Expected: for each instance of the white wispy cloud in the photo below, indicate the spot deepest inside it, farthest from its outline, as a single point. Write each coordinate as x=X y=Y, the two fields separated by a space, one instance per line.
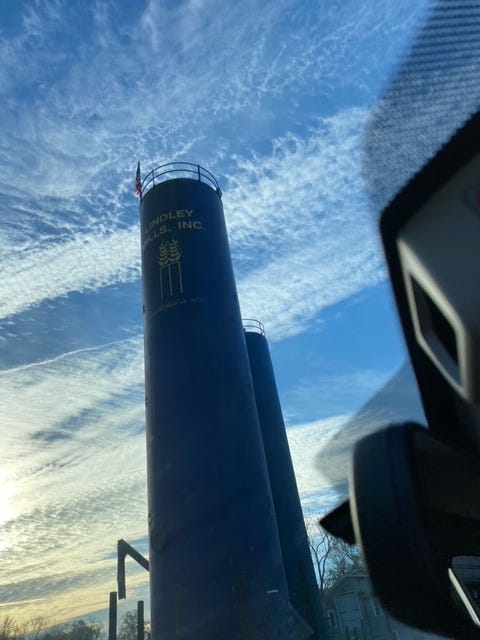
x=299 y=229
x=88 y=261
x=305 y=442
x=146 y=91
x=145 y=95
x=75 y=464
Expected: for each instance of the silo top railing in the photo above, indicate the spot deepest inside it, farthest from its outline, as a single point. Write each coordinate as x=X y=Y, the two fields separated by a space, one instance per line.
x=253 y=326
x=173 y=170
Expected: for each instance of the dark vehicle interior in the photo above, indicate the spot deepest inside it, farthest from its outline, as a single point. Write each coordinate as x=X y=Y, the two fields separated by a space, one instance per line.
x=414 y=487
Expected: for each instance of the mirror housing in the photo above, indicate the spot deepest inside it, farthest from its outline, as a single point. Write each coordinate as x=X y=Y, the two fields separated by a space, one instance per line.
x=431 y=238
x=415 y=509
x=414 y=491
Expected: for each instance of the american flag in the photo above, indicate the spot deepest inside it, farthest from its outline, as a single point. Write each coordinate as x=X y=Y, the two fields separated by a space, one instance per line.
x=138 y=181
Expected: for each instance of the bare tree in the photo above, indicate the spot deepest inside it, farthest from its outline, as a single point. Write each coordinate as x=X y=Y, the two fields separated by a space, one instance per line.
x=322 y=547
x=332 y=557
x=345 y=559
x=35 y=627
x=77 y=630
x=9 y=629
x=81 y=630
x=128 y=626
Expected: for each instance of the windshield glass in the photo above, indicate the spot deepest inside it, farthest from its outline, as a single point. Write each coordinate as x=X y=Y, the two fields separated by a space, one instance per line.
x=295 y=110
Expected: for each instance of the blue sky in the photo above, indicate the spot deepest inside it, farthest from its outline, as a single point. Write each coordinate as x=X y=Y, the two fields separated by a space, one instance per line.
x=274 y=101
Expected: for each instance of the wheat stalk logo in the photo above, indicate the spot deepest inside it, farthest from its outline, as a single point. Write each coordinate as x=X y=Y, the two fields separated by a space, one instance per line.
x=169 y=256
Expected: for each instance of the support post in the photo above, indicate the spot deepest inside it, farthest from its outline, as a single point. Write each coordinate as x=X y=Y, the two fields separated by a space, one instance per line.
x=140 y=621
x=124 y=549
x=112 y=616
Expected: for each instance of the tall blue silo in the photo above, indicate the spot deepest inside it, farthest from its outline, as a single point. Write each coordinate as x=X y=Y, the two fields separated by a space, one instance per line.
x=302 y=584
x=216 y=570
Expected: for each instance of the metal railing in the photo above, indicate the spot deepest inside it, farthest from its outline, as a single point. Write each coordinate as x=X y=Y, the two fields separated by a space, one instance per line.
x=253 y=326
x=173 y=170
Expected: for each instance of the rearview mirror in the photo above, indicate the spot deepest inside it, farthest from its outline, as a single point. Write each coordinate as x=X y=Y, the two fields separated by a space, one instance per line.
x=415 y=507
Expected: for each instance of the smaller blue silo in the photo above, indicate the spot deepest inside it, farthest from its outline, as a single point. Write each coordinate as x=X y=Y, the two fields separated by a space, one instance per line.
x=301 y=581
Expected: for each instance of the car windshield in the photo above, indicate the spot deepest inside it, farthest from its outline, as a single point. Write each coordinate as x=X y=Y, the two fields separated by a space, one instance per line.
x=310 y=116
